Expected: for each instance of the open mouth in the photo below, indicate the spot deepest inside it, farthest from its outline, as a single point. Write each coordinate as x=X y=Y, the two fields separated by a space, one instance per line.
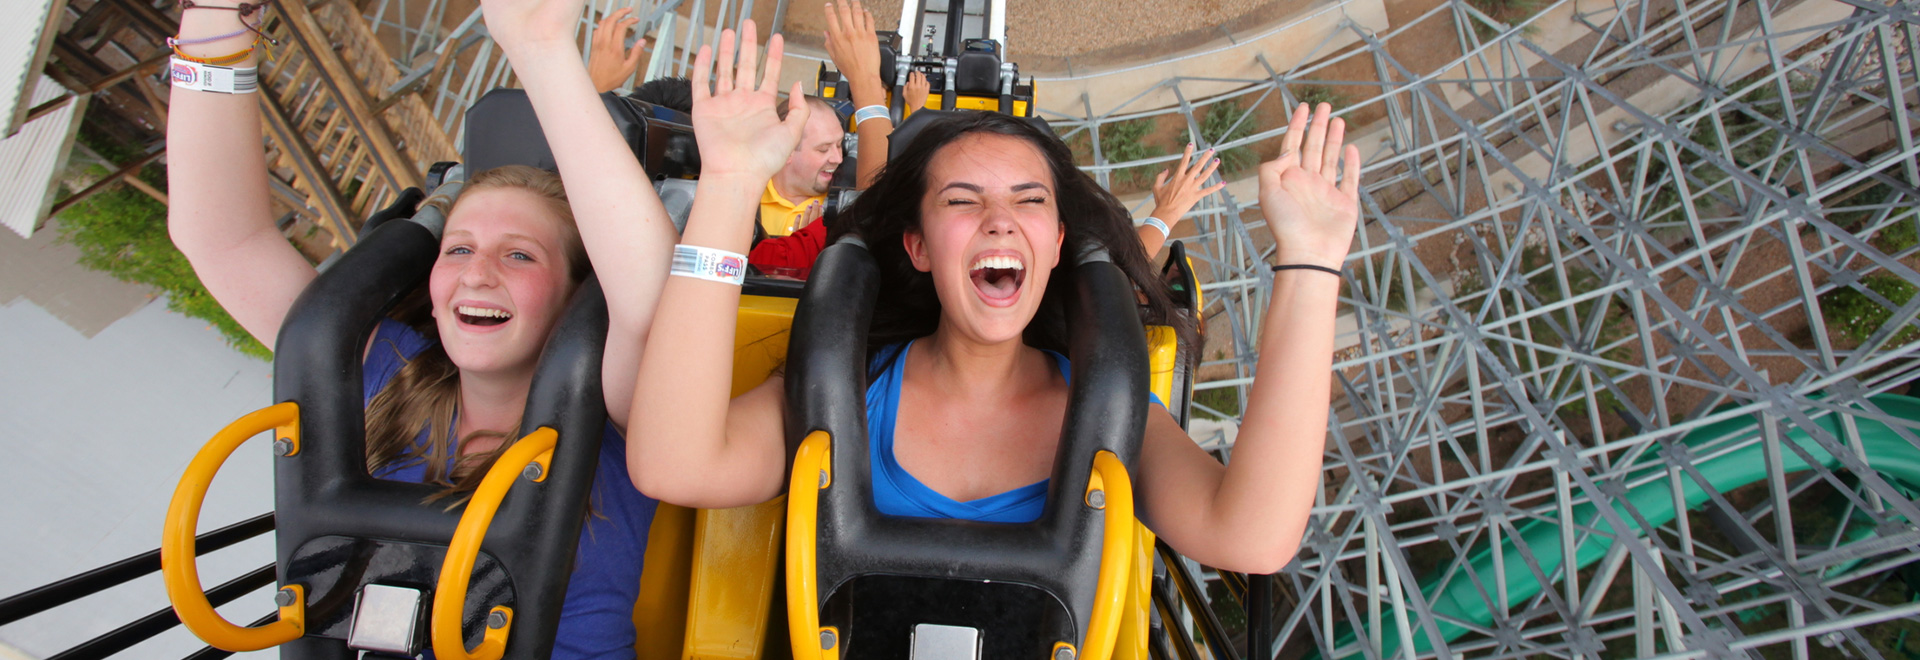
x=998 y=278
x=482 y=316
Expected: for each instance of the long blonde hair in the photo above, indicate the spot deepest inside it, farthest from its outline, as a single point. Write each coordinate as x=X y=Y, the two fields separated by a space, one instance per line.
x=425 y=393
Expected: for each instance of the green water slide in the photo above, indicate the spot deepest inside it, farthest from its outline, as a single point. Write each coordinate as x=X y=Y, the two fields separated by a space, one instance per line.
x=1460 y=599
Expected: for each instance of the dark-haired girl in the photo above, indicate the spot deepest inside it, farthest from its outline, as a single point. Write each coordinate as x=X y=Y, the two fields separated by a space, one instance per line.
x=971 y=226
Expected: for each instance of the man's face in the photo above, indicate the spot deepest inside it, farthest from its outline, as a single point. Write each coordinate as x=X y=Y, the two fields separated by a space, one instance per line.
x=813 y=162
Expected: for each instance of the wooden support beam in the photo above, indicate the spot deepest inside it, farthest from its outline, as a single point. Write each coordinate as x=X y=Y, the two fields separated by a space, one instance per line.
x=334 y=214
x=17 y=116
x=306 y=34
x=102 y=184
x=157 y=24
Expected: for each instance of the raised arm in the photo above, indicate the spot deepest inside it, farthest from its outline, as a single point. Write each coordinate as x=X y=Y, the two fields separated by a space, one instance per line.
x=1250 y=516
x=855 y=50
x=1175 y=192
x=219 y=214
x=628 y=235
x=696 y=448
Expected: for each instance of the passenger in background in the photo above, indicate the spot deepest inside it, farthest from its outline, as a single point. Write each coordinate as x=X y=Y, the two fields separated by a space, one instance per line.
x=1175 y=192
x=808 y=172
x=610 y=63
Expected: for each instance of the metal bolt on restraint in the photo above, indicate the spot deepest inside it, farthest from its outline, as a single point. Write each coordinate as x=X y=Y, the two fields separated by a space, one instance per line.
x=1064 y=652
x=823 y=478
x=282 y=447
x=1096 y=499
x=283 y=597
x=496 y=620
x=532 y=472
x=828 y=640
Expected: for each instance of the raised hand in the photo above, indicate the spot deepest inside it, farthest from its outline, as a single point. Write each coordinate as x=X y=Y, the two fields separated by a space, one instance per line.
x=852 y=43
x=917 y=88
x=1312 y=216
x=734 y=119
x=1178 y=188
x=609 y=62
x=521 y=25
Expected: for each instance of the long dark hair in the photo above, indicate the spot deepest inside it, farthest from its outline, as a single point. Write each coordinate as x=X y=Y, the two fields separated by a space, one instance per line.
x=908 y=307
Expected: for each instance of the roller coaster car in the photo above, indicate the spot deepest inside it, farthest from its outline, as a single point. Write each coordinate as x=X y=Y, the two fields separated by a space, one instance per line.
x=368 y=565
x=977 y=78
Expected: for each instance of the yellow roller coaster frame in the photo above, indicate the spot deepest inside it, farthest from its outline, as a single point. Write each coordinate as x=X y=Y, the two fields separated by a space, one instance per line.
x=178 y=564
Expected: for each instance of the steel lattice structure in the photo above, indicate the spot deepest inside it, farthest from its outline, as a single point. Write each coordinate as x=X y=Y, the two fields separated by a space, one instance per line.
x=1605 y=314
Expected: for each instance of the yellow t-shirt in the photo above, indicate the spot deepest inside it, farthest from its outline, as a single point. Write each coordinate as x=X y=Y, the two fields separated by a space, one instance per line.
x=778 y=216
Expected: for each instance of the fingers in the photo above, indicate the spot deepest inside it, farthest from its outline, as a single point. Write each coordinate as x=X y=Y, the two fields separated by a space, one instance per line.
x=1296 y=131
x=1160 y=181
x=864 y=17
x=834 y=24
x=1336 y=133
x=1311 y=154
x=776 y=51
x=1208 y=166
x=723 y=65
x=1350 y=179
x=797 y=110
x=1186 y=161
x=749 y=55
x=702 y=61
x=639 y=48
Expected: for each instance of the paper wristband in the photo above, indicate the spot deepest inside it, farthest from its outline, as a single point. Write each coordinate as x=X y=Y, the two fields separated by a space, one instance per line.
x=214 y=78
x=1159 y=224
x=871 y=112
x=709 y=264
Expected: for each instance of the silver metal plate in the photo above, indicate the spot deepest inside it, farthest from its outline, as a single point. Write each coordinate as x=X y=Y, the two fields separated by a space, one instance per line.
x=384 y=619
x=937 y=642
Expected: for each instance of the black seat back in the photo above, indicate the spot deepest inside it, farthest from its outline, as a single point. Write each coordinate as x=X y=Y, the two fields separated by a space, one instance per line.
x=977 y=72
x=337 y=527
x=1026 y=586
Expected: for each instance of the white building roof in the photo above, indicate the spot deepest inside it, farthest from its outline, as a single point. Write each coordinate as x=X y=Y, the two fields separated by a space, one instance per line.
x=32 y=158
x=24 y=41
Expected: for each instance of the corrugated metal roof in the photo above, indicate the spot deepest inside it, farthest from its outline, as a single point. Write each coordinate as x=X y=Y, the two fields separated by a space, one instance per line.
x=31 y=159
x=24 y=40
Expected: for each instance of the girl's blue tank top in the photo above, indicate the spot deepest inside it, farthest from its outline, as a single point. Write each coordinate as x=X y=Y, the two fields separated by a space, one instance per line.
x=897 y=493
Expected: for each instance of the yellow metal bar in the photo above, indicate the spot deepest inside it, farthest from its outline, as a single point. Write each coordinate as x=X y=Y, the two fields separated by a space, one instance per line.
x=1163 y=353
x=177 y=557
x=812 y=473
x=1110 y=595
x=455 y=572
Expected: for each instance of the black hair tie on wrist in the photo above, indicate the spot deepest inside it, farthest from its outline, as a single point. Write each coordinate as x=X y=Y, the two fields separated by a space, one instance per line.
x=1331 y=271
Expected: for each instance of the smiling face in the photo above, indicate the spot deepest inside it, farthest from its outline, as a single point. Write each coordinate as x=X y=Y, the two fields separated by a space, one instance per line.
x=989 y=234
x=809 y=171
x=502 y=279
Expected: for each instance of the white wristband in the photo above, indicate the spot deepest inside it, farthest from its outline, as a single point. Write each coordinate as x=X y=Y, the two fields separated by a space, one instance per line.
x=871 y=112
x=1159 y=224
x=709 y=264
x=214 y=78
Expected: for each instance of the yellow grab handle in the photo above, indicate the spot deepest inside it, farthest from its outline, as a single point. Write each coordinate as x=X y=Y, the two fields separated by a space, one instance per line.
x=457 y=570
x=177 y=557
x=1110 y=595
x=812 y=465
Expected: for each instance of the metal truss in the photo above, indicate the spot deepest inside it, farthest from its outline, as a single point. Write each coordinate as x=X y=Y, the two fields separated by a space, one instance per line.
x=1604 y=386
x=1597 y=286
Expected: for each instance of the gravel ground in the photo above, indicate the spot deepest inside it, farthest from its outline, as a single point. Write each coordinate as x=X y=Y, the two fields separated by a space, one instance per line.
x=1048 y=35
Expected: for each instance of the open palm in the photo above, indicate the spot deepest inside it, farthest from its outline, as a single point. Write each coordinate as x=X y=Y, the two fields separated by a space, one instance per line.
x=1311 y=205
x=735 y=120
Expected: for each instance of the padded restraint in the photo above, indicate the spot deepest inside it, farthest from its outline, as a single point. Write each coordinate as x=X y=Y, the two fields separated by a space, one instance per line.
x=1024 y=586
x=977 y=72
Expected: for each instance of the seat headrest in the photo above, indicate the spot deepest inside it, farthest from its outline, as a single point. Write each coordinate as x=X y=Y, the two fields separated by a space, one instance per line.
x=502 y=130
x=910 y=129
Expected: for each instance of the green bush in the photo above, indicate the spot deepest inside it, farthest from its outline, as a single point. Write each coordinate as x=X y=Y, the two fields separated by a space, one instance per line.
x=1223 y=399
x=1125 y=141
x=123 y=233
x=1853 y=315
x=1314 y=95
x=1225 y=122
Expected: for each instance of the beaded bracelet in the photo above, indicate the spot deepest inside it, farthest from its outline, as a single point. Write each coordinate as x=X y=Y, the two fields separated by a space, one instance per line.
x=244 y=9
